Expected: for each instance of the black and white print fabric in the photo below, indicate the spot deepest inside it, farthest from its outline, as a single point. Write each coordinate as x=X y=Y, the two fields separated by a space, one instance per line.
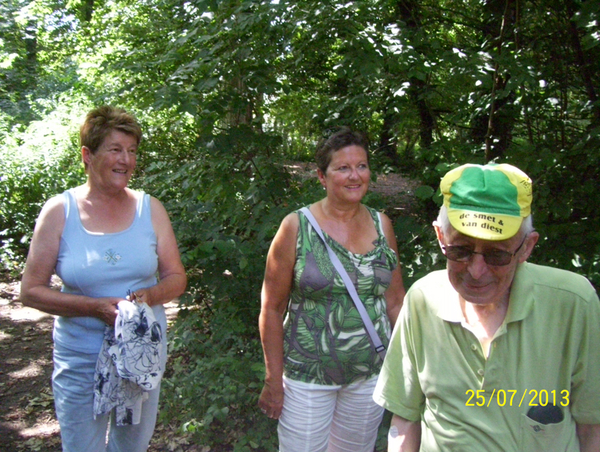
x=129 y=363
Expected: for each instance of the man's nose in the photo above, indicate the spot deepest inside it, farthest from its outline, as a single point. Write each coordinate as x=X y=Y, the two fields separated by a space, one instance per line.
x=477 y=266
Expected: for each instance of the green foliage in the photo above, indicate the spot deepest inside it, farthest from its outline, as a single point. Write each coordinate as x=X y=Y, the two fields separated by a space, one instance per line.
x=38 y=162
x=214 y=384
x=227 y=198
x=565 y=205
x=228 y=91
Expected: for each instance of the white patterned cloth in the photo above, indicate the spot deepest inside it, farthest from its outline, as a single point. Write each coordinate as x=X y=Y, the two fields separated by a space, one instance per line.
x=129 y=363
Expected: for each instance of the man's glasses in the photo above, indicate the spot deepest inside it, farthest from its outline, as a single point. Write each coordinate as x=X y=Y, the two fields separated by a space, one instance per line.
x=497 y=258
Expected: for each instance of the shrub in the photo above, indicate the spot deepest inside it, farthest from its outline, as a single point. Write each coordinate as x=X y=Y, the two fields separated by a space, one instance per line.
x=39 y=161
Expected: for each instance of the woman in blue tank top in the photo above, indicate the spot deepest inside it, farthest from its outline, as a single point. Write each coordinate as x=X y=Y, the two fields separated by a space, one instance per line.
x=103 y=240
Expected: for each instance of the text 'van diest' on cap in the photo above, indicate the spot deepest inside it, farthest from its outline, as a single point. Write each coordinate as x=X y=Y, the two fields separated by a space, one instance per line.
x=487 y=201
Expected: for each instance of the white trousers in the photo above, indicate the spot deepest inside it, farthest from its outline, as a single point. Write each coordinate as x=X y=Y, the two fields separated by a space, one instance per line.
x=320 y=418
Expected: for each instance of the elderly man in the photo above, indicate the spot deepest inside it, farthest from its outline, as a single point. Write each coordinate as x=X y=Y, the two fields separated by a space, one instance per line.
x=494 y=353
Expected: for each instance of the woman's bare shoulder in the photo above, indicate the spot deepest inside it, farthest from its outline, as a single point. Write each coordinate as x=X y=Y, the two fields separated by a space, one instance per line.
x=53 y=210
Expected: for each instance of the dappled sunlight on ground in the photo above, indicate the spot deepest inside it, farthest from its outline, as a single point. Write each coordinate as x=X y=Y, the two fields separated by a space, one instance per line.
x=32 y=370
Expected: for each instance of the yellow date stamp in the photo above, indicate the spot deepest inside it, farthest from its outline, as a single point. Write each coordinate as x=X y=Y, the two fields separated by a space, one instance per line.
x=510 y=397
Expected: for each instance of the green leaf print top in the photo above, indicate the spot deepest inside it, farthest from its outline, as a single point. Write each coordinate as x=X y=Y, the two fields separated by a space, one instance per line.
x=325 y=341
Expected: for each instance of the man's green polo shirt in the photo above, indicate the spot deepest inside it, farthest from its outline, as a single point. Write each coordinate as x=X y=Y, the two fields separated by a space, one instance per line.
x=545 y=352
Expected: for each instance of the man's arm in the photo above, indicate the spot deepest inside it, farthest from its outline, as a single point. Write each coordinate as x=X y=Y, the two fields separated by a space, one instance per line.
x=589 y=437
x=404 y=435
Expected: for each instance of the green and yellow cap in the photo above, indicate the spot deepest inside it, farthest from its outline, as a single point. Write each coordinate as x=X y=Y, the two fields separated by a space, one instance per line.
x=487 y=201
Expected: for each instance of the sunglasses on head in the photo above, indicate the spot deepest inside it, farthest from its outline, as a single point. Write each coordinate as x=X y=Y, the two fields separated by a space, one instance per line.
x=495 y=257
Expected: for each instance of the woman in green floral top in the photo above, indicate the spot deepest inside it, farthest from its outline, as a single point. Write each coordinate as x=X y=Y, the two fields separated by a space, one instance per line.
x=321 y=368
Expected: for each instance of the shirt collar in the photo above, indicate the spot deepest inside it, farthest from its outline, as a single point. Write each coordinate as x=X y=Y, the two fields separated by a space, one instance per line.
x=520 y=302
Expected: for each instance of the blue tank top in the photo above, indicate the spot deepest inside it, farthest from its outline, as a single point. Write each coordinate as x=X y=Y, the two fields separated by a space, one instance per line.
x=98 y=264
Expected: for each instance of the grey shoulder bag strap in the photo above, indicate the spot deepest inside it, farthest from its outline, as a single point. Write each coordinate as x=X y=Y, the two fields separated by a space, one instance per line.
x=375 y=340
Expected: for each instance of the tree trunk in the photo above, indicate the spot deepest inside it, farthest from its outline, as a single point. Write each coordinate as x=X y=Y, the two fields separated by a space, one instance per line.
x=408 y=13
x=387 y=142
x=499 y=121
x=31 y=55
x=584 y=63
x=87 y=10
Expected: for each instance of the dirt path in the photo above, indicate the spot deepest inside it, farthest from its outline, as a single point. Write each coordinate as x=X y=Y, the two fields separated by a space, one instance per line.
x=26 y=405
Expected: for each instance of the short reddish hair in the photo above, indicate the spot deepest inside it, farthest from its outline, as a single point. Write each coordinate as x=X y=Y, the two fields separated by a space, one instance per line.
x=101 y=121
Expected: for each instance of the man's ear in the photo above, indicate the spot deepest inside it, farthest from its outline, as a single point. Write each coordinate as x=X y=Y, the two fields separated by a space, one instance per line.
x=528 y=246
x=439 y=233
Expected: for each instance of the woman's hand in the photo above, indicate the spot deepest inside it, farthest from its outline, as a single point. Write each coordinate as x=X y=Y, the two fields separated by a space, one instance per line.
x=107 y=309
x=271 y=400
x=140 y=296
